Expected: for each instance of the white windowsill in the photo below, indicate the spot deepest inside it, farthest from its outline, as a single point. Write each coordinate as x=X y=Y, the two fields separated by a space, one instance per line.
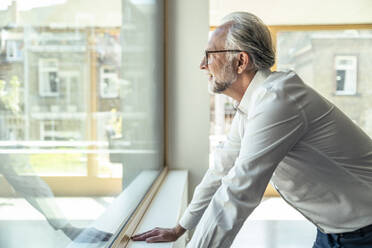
x=345 y=93
x=166 y=209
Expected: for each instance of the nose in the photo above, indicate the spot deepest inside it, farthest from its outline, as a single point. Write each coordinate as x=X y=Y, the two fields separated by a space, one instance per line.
x=203 y=64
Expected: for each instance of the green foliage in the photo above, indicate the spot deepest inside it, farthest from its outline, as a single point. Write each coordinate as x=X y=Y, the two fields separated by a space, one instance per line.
x=10 y=94
x=58 y=164
x=63 y=164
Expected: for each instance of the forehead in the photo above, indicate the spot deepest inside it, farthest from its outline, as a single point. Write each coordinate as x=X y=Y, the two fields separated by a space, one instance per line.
x=217 y=38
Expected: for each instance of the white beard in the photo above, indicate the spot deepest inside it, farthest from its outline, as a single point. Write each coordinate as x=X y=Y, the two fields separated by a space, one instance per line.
x=227 y=81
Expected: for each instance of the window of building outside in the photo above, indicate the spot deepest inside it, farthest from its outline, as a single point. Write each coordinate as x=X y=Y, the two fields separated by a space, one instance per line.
x=81 y=118
x=336 y=63
x=14 y=50
x=48 y=78
x=346 y=75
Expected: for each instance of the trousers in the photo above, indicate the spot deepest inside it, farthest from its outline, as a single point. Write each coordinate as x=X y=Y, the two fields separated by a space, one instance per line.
x=361 y=238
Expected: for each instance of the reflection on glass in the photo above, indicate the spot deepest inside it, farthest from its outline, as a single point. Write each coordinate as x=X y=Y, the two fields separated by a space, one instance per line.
x=81 y=118
x=222 y=111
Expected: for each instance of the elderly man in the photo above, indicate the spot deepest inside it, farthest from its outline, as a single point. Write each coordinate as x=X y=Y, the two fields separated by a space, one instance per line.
x=319 y=160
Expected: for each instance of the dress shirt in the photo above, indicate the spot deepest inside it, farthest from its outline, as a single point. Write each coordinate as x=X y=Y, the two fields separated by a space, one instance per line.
x=317 y=158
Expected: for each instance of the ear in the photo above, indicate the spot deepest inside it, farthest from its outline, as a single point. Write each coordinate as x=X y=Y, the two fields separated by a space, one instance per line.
x=243 y=62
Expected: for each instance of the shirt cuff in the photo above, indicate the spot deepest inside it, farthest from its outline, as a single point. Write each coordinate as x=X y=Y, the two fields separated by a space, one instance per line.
x=189 y=221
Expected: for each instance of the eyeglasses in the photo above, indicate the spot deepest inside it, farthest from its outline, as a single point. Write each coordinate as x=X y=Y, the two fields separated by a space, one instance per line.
x=219 y=51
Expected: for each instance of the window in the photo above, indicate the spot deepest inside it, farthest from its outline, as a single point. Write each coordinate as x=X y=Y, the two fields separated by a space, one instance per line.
x=109 y=82
x=55 y=130
x=81 y=119
x=48 y=77
x=346 y=75
x=14 y=50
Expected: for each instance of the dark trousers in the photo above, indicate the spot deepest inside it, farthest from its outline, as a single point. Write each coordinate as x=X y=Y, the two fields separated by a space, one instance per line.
x=361 y=238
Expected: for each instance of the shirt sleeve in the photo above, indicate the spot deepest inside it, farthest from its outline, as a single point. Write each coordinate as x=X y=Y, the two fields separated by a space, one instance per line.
x=224 y=158
x=270 y=133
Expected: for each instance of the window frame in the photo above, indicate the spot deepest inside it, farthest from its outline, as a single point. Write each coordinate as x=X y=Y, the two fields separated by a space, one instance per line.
x=351 y=74
x=13 y=47
x=43 y=85
x=113 y=78
x=128 y=228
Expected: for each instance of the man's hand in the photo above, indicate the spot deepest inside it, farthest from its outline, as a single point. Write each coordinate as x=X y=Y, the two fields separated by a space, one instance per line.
x=160 y=235
x=85 y=235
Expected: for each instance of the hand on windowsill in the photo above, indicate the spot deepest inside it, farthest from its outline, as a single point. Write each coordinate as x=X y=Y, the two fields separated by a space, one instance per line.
x=160 y=235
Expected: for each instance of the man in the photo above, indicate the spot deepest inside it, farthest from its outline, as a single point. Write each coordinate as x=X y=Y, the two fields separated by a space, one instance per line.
x=318 y=159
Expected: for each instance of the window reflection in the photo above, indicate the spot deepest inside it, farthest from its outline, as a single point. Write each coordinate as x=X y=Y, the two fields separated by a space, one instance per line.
x=81 y=118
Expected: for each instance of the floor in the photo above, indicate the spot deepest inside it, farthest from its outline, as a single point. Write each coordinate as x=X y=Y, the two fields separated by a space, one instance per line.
x=274 y=224
x=21 y=225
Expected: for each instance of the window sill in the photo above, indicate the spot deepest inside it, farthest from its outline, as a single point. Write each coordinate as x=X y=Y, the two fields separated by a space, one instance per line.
x=346 y=94
x=122 y=208
x=165 y=209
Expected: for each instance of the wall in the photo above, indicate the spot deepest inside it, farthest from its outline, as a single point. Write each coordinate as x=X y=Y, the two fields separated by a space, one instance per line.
x=187 y=125
x=291 y=12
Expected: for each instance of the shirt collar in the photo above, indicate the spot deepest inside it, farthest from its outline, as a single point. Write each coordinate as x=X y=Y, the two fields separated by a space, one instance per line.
x=258 y=78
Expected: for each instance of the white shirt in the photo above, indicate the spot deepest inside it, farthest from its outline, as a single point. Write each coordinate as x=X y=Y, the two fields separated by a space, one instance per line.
x=316 y=157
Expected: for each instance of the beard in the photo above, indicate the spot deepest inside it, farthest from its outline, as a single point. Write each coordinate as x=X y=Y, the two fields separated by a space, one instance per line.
x=228 y=77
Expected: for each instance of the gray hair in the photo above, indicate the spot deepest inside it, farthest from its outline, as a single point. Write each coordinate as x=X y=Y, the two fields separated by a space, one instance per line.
x=248 y=33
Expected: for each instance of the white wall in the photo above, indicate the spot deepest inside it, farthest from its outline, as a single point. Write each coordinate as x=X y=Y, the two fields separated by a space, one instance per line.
x=188 y=97
x=291 y=12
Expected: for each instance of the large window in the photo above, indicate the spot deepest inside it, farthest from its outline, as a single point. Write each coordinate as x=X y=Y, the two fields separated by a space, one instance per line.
x=81 y=118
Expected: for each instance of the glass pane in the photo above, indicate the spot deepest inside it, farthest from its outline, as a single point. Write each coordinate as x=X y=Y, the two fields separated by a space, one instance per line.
x=222 y=111
x=336 y=64
x=340 y=78
x=81 y=118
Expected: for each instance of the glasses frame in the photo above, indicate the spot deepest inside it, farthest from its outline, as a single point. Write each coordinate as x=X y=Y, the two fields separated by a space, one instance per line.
x=220 y=51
